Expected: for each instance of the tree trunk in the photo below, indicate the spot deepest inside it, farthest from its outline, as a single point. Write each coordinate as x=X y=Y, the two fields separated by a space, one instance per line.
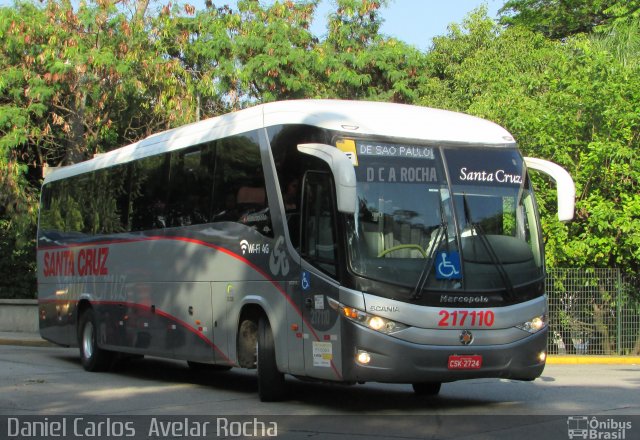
x=141 y=9
x=602 y=329
x=636 y=347
x=77 y=143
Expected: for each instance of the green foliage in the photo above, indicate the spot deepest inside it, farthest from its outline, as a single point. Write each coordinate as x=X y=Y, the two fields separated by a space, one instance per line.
x=575 y=103
x=622 y=40
x=75 y=81
x=18 y=262
x=560 y=19
x=273 y=49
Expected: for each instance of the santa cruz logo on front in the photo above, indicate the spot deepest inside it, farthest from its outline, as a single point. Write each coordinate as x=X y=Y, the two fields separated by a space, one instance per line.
x=499 y=176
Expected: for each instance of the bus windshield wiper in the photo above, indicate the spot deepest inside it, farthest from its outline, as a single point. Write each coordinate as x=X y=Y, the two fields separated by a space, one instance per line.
x=495 y=260
x=441 y=233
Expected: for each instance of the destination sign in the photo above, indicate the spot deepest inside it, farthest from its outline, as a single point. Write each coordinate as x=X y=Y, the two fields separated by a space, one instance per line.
x=400 y=174
x=381 y=162
x=397 y=173
x=379 y=149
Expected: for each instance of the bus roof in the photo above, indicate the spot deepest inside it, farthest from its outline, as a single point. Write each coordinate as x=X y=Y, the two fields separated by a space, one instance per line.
x=361 y=118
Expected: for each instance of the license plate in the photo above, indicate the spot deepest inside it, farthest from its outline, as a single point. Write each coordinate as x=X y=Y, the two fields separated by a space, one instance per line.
x=471 y=362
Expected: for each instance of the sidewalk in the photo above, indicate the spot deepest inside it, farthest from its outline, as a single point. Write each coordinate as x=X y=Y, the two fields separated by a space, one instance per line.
x=584 y=359
x=34 y=340
x=23 y=339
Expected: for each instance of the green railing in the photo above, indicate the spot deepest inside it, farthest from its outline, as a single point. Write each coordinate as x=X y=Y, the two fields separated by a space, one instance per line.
x=594 y=312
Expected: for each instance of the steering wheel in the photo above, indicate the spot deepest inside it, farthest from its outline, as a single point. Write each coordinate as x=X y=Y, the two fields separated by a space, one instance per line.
x=403 y=246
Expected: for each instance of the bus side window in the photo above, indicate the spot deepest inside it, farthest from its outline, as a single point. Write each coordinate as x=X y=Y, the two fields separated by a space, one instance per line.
x=107 y=211
x=291 y=165
x=190 y=186
x=318 y=222
x=291 y=198
x=239 y=184
x=50 y=221
x=149 y=189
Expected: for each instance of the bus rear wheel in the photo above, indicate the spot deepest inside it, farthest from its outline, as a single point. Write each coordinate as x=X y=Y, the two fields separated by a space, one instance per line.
x=93 y=358
x=271 y=384
x=427 y=388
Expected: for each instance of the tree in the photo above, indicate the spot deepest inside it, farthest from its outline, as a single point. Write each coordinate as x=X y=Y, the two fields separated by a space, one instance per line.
x=570 y=102
x=273 y=50
x=558 y=19
x=575 y=102
x=621 y=40
x=74 y=83
x=446 y=60
x=357 y=62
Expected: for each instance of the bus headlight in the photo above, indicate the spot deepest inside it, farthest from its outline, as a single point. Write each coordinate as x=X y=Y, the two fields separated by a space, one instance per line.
x=534 y=325
x=374 y=322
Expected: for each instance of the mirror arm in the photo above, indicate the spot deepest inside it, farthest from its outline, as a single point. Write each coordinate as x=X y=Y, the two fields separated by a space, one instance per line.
x=565 y=187
x=343 y=172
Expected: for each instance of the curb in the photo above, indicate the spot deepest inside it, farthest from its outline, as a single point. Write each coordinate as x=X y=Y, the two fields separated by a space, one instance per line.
x=26 y=342
x=593 y=360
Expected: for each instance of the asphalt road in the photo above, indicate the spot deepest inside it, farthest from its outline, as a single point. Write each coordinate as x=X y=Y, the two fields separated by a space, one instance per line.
x=49 y=381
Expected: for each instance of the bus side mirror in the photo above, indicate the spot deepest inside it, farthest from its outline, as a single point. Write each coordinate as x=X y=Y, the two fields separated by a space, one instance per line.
x=565 y=186
x=343 y=173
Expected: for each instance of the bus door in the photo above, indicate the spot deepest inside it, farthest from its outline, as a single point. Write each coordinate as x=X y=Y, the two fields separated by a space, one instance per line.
x=319 y=269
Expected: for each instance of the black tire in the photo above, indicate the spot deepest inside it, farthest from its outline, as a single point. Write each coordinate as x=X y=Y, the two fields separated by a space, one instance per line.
x=271 y=384
x=199 y=366
x=93 y=357
x=427 y=388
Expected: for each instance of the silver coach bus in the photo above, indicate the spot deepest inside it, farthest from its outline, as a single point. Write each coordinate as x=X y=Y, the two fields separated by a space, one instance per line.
x=334 y=240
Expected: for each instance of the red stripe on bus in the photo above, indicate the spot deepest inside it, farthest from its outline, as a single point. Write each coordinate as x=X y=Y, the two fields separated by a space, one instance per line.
x=248 y=263
x=171 y=318
x=212 y=246
x=257 y=269
x=157 y=312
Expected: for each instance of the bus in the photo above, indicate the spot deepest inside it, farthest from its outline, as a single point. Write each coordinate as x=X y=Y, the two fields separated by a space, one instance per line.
x=339 y=241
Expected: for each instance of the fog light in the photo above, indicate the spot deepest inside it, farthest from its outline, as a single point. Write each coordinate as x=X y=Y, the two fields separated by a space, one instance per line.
x=542 y=356
x=363 y=357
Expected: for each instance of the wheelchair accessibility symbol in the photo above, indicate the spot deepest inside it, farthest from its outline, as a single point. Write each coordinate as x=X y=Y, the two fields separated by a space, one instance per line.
x=306 y=280
x=448 y=266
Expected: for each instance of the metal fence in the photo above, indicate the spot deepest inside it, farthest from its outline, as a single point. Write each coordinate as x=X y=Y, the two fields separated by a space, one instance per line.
x=593 y=311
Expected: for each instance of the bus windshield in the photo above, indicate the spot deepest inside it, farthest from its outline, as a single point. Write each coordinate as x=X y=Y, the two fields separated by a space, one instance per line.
x=435 y=219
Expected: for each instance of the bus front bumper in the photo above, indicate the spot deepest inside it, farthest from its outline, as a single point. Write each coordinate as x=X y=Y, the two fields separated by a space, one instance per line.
x=396 y=361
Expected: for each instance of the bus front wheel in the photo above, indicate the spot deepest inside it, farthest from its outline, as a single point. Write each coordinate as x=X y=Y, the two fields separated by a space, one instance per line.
x=271 y=384
x=93 y=358
x=427 y=388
